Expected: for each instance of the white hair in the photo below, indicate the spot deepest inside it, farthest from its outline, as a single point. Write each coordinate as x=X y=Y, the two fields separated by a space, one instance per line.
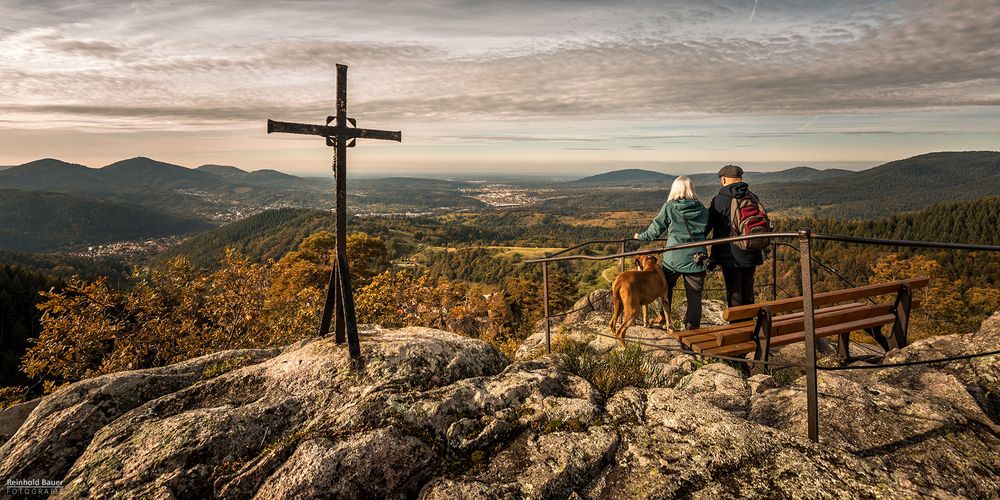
x=682 y=189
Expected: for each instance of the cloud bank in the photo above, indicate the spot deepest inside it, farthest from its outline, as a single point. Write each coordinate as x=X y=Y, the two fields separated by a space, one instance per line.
x=180 y=65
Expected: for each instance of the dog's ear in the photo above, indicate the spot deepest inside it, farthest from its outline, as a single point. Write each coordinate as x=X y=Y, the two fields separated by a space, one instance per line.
x=638 y=262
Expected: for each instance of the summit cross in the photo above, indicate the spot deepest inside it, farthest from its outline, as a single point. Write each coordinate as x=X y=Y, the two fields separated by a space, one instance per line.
x=341 y=133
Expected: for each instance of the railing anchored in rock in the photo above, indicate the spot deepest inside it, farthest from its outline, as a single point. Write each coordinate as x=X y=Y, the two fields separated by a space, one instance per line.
x=814 y=321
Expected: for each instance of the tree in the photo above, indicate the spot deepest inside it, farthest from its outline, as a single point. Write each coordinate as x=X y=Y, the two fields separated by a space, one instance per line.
x=947 y=307
x=395 y=299
x=171 y=314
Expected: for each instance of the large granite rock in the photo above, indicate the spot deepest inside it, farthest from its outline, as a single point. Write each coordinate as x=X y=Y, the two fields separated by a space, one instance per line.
x=589 y=324
x=720 y=385
x=62 y=424
x=435 y=415
x=931 y=425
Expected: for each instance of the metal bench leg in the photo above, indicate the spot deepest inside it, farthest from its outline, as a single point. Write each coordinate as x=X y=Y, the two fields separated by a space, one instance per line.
x=901 y=309
x=761 y=352
x=844 y=347
x=876 y=334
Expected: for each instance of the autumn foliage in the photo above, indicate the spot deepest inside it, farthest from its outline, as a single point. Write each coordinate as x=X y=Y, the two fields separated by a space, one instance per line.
x=174 y=312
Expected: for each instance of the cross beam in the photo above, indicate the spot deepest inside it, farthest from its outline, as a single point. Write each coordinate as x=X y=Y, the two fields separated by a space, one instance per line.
x=339 y=295
x=331 y=132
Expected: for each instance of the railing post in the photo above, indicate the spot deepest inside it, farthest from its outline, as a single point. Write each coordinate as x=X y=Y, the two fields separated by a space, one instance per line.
x=545 y=307
x=622 y=263
x=808 y=319
x=774 y=270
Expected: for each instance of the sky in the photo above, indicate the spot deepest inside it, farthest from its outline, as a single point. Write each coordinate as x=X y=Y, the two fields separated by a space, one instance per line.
x=520 y=87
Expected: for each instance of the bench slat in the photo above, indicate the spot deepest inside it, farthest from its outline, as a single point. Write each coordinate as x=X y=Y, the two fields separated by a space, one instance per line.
x=824 y=317
x=824 y=298
x=705 y=337
x=709 y=337
x=781 y=324
x=748 y=325
x=791 y=338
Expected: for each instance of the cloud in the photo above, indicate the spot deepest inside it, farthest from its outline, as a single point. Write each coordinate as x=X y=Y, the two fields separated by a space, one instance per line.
x=172 y=62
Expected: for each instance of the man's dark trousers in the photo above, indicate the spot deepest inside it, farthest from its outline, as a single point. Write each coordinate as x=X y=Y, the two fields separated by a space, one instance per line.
x=739 y=285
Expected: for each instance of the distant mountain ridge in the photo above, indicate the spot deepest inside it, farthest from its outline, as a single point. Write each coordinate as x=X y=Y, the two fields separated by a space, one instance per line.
x=642 y=177
x=796 y=174
x=45 y=222
x=211 y=192
x=259 y=177
x=50 y=174
x=142 y=171
x=171 y=196
x=626 y=177
x=898 y=186
x=58 y=175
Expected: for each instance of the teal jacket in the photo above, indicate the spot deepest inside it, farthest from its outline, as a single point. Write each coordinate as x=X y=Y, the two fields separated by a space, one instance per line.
x=671 y=219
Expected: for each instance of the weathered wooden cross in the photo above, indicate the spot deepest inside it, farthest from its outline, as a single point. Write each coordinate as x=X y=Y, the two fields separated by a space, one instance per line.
x=341 y=135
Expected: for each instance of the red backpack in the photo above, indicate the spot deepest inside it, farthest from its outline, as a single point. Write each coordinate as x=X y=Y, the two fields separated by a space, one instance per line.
x=747 y=217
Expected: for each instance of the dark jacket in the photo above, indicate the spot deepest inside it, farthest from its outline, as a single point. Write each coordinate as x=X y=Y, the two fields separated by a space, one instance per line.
x=677 y=218
x=719 y=225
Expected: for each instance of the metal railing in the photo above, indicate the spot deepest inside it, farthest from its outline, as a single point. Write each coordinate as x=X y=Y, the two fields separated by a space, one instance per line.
x=805 y=238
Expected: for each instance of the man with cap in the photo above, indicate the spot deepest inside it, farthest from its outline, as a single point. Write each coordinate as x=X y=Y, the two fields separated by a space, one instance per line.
x=738 y=266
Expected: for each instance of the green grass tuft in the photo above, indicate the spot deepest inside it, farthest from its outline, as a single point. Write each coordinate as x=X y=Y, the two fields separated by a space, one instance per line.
x=612 y=371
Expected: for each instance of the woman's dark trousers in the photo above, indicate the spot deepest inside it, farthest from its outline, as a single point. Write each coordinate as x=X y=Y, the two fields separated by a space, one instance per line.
x=694 y=283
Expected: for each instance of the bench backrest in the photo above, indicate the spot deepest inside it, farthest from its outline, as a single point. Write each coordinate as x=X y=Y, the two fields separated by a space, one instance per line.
x=781 y=306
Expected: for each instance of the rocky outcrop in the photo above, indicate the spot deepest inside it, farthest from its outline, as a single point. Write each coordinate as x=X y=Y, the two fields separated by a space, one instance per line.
x=62 y=425
x=11 y=418
x=720 y=385
x=431 y=414
x=931 y=425
x=588 y=324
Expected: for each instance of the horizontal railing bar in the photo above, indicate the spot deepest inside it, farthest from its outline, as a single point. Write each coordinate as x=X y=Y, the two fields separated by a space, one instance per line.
x=660 y=347
x=678 y=287
x=909 y=363
x=648 y=251
x=816 y=236
x=907 y=243
x=598 y=242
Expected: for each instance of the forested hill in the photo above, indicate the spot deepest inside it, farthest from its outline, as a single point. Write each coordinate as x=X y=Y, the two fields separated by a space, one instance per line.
x=55 y=175
x=905 y=185
x=39 y=222
x=958 y=222
x=973 y=221
x=647 y=178
x=264 y=236
x=270 y=234
x=624 y=178
x=898 y=186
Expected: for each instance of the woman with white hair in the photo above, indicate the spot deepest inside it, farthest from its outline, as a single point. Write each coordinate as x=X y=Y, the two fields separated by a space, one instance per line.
x=685 y=220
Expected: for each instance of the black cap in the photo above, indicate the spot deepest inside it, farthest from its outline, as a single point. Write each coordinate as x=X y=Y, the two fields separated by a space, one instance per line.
x=731 y=171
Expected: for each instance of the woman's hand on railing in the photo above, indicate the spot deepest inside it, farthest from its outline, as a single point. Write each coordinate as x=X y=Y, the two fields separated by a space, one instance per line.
x=635 y=236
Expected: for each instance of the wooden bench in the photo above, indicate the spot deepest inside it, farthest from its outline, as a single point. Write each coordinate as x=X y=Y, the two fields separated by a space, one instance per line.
x=781 y=322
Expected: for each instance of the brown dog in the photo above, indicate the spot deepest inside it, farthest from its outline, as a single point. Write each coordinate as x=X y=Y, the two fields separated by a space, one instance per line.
x=634 y=289
x=664 y=308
